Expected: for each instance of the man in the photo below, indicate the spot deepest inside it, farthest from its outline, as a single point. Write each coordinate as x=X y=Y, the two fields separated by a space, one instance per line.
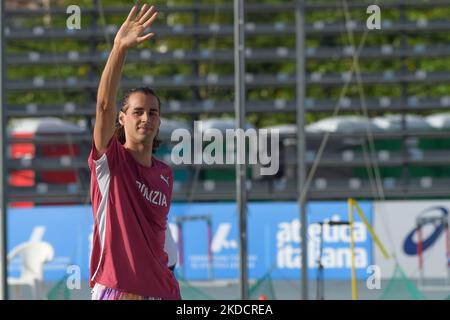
x=131 y=190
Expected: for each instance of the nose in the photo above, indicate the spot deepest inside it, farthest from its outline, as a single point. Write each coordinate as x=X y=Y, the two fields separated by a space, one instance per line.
x=145 y=116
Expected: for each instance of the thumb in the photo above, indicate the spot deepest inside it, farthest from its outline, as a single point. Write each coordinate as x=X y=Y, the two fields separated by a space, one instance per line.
x=145 y=38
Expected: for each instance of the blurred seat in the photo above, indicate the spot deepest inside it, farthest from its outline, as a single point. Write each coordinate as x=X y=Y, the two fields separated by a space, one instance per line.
x=34 y=255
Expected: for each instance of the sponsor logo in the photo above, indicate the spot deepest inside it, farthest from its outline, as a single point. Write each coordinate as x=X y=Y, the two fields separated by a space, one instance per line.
x=166 y=180
x=221 y=240
x=410 y=244
x=336 y=245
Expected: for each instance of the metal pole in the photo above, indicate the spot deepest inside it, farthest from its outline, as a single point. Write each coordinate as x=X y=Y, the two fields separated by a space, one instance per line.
x=404 y=95
x=319 y=282
x=4 y=169
x=239 y=84
x=210 y=261
x=301 y=143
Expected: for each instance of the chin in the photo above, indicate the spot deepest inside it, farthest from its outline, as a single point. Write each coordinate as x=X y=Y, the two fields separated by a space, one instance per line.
x=140 y=138
x=147 y=139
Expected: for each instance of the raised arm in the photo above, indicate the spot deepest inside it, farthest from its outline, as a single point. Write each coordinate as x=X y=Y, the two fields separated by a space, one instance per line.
x=130 y=34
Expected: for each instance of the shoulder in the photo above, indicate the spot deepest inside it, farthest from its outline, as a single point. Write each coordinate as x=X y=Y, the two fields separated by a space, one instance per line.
x=161 y=165
x=114 y=147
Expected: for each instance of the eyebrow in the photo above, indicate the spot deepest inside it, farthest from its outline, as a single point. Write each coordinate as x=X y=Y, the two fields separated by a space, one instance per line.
x=142 y=108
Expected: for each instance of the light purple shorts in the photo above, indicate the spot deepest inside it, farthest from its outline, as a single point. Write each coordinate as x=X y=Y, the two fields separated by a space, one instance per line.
x=100 y=292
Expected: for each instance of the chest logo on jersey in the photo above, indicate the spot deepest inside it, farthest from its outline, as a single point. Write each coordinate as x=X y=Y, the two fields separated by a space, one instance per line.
x=153 y=196
x=165 y=179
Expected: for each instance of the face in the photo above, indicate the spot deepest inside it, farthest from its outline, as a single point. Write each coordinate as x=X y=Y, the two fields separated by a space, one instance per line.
x=141 y=120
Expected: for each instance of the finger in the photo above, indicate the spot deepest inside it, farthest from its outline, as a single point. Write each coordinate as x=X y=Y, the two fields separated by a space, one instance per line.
x=141 y=13
x=149 y=22
x=145 y=38
x=132 y=13
x=147 y=14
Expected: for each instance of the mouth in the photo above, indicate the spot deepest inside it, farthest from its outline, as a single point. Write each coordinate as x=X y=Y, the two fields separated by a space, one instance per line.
x=144 y=129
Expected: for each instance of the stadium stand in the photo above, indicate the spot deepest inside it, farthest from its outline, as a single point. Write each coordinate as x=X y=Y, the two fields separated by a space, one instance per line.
x=54 y=72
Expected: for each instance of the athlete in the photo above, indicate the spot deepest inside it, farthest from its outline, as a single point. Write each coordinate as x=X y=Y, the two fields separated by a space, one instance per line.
x=130 y=190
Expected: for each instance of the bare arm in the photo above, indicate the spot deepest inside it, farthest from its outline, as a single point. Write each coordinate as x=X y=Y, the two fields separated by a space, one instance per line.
x=128 y=36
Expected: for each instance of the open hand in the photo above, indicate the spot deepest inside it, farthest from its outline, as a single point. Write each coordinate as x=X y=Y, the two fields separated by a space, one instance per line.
x=131 y=32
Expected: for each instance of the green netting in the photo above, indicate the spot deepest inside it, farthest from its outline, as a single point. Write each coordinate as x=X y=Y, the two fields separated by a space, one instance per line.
x=59 y=291
x=400 y=287
x=189 y=292
x=263 y=288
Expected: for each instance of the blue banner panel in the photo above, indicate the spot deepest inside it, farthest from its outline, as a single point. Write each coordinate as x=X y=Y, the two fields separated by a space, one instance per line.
x=67 y=228
x=273 y=239
x=224 y=244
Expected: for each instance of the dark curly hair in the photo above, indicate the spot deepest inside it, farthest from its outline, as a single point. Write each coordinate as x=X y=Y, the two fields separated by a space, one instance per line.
x=120 y=131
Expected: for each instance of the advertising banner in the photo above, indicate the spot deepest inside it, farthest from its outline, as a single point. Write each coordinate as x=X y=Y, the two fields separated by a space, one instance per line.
x=273 y=239
x=396 y=224
x=68 y=229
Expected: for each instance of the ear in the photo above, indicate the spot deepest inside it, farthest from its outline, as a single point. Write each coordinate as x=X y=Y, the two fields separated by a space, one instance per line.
x=121 y=115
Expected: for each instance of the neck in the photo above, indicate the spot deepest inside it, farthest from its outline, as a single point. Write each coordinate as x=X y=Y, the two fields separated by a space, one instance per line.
x=141 y=153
